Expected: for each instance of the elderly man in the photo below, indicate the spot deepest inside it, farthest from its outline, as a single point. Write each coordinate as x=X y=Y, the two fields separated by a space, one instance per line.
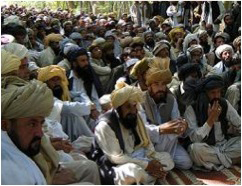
x=225 y=53
x=161 y=109
x=22 y=53
x=125 y=152
x=49 y=55
x=24 y=107
x=69 y=114
x=208 y=119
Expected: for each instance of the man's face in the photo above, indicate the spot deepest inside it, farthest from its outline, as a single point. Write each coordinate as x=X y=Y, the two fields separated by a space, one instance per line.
x=158 y=91
x=163 y=53
x=196 y=56
x=226 y=56
x=209 y=29
x=110 y=39
x=68 y=28
x=55 y=46
x=139 y=52
x=219 y=41
x=128 y=114
x=214 y=94
x=149 y=38
x=23 y=71
x=82 y=61
x=178 y=35
x=97 y=53
x=26 y=133
x=228 y=20
x=20 y=39
x=204 y=38
x=54 y=84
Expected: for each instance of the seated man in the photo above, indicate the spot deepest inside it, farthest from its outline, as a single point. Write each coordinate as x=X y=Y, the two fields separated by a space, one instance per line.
x=69 y=114
x=123 y=149
x=24 y=108
x=164 y=123
x=207 y=128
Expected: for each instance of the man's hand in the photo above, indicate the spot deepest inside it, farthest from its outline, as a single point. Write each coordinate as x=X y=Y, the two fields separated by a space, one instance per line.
x=213 y=113
x=60 y=144
x=156 y=170
x=64 y=176
x=177 y=126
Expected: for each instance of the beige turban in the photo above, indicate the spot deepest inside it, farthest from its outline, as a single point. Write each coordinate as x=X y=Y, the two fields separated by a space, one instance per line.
x=159 y=46
x=21 y=99
x=9 y=62
x=223 y=48
x=52 y=37
x=174 y=31
x=17 y=49
x=236 y=41
x=140 y=67
x=124 y=93
x=126 y=41
x=48 y=72
x=159 y=71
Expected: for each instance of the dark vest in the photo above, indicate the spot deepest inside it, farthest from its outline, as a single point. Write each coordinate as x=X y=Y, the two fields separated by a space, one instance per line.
x=210 y=139
x=107 y=173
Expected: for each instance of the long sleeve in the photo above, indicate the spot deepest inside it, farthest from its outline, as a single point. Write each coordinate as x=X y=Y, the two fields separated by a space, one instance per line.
x=78 y=108
x=175 y=113
x=196 y=134
x=101 y=70
x=221 y=9
x=233 y=116
x=109 y=144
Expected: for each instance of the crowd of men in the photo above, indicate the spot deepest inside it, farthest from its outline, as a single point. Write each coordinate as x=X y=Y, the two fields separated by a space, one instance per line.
x=93 y=99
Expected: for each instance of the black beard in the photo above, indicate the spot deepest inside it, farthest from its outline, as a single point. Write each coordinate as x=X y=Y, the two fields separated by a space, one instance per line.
x=57 y=91
x=150 y=43
x=31 y=151
x=84 y=73
x=129 y=121
x=215 y=99
x=228 y=63
x=159 y=99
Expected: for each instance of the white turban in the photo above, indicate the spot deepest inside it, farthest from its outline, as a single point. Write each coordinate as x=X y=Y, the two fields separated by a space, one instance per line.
x=124 y=93
x=21 y=99
x=9 y=62
x=223 y=48
x=17 y=49
x=188 y=39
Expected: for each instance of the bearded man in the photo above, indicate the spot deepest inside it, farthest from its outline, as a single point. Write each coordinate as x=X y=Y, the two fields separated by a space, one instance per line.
x=122 y=147
x=161 y=108
x=208 y=119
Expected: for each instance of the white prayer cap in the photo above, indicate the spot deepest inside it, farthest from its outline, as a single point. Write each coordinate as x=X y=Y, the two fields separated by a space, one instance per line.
x=105 y=99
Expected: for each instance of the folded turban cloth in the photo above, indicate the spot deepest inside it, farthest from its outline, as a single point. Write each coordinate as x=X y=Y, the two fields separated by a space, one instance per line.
x=159 y=71
x=75 y=35
x=124 y=93
x=188 y=39
x=21 y=99
x=17 y=49
x=174 y=31
x=9 y=62
x=193 y=48
x=140 y=67
x=126 y=41
x=236 y=41
x=48 y=72
x=160 y=36
x=210 y=82
x=12 y=19
x=222 y=48
x=66 y=23
x=68 y=47
x=98 y=41
x=52 y=37
x=159 y=46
